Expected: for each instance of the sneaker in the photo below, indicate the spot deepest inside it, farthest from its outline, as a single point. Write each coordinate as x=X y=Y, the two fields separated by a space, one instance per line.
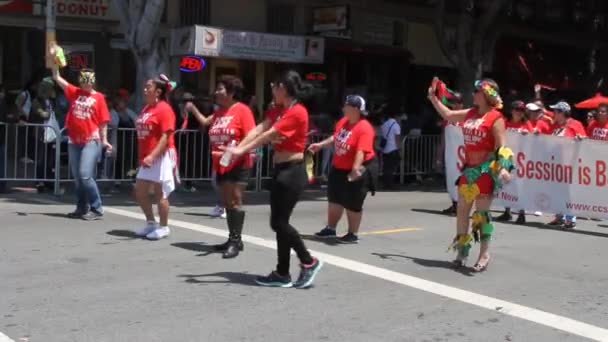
x=569 y=225
x=308 y=274
x=349 y=238
x=326 y=233
x=217 y=211
x=92 y=215
x=147 y=229
x=505 y=217
x=538 y=213
x=158 y=233
x=556 y=222
x=76 y=214
x=274 y=280
x=449 y=211
x=223 y=216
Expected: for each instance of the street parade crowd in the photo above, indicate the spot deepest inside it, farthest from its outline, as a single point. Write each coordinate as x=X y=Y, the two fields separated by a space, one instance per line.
x=354 y=170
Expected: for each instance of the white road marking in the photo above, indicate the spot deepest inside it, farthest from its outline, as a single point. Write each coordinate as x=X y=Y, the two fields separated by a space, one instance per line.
x=4 y=338
x=512 y=309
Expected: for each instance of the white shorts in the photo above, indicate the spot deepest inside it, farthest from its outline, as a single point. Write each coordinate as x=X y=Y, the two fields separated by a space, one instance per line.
x=162 y=171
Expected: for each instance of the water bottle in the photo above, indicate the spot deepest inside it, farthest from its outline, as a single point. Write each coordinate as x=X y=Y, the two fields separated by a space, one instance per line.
x=227 y=156
x=361 y=170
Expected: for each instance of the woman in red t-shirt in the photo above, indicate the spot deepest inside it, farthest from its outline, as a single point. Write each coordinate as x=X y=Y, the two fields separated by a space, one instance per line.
x=353 y=169
x=518 y=123
x=230 y=124
x=157 y=157
x=567 y=127
x=286 y=130
x=86 y=123
x=598 y=128
x=488 y=164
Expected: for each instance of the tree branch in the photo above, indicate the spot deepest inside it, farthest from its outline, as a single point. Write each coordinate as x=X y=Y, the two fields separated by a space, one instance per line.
x=440 y=18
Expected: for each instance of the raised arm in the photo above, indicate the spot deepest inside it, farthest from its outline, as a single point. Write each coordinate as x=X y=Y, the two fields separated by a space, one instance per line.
x=445 y=112
x=202 y=120
x=58 y=79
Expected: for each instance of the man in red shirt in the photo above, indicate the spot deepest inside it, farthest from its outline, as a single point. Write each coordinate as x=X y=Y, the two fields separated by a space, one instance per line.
x=535 y=113
x=598 y=128
x=567 y=127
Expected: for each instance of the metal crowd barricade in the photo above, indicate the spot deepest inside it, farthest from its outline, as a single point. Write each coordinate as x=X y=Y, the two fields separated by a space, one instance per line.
x=29 y=154
x=25 y=157
x=418 y=154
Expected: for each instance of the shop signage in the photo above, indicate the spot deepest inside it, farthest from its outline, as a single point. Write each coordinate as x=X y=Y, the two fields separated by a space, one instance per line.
x=208 y=41
x=15 y=6
x=316 y=76
x=330 y=18
x=192 y=63
x=78 y=56
x=91 y=9
x=272 y=47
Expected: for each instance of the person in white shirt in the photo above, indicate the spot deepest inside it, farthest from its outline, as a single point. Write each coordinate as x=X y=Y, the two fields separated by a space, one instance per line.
x=390 y=144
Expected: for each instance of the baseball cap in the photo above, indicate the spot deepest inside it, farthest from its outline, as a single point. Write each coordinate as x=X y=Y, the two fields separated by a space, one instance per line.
x=357 y=102
x=518 y=105
x=561 y=106
x=533 y=107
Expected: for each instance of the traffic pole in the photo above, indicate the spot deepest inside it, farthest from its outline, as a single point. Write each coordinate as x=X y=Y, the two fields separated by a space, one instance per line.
x=51 y=39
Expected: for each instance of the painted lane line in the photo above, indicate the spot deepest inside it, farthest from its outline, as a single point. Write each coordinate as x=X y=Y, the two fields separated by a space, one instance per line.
x=515 y=310
x=389 y=231
x=4 y=338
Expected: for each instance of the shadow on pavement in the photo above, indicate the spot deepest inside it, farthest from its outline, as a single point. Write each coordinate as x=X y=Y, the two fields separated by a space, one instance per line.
x=129 y=234
x=202 y=215
x=329 y=242
x=201 y=247
x=430 y=211
x=543 y=226
x=428 y=263
x=228 y=278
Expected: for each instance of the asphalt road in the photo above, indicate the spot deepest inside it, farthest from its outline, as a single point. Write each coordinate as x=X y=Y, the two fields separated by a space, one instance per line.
x=65 y=280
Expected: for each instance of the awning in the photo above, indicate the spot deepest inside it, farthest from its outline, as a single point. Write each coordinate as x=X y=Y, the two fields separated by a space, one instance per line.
x=217 y=42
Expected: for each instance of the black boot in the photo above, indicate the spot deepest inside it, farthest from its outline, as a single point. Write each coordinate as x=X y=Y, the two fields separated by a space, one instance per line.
x=235 y=219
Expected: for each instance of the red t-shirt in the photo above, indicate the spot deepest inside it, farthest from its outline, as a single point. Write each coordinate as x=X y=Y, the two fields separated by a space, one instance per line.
x=598 y=131
x=292 y=124
x=477 y=130
x=151 y=123
x=517 y=126
x=569 y=129
x=350 y=138
x=88 y=110
x=542 y=126
x=228 y=124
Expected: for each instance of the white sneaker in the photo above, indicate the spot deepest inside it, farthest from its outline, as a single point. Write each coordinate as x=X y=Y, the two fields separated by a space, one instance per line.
x=147 y=229
x=158 y=233
x=538 y=213
x=217 y=212
x=223 y=215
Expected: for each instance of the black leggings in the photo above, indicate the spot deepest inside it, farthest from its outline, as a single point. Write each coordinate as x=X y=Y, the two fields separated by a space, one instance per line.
x=288 y=183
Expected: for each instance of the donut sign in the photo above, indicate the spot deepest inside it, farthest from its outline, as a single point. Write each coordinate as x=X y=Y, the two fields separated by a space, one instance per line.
x=192 y=63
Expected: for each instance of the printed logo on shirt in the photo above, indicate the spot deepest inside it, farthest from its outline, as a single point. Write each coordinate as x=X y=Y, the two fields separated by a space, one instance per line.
x=143 y=128
x=600 y=133
x=83 y=107
x=472 y=132
x=219 y=132
x=341 y=146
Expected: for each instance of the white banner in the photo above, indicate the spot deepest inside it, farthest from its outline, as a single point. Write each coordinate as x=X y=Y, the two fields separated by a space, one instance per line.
x=553 y=174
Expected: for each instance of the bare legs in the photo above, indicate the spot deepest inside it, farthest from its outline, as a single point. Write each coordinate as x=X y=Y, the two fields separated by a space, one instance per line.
x=142 y=195
x=482 y=203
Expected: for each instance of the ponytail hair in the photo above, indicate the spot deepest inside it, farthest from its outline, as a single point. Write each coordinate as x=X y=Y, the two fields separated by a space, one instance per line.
x=165 y=85
x=294 y=85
